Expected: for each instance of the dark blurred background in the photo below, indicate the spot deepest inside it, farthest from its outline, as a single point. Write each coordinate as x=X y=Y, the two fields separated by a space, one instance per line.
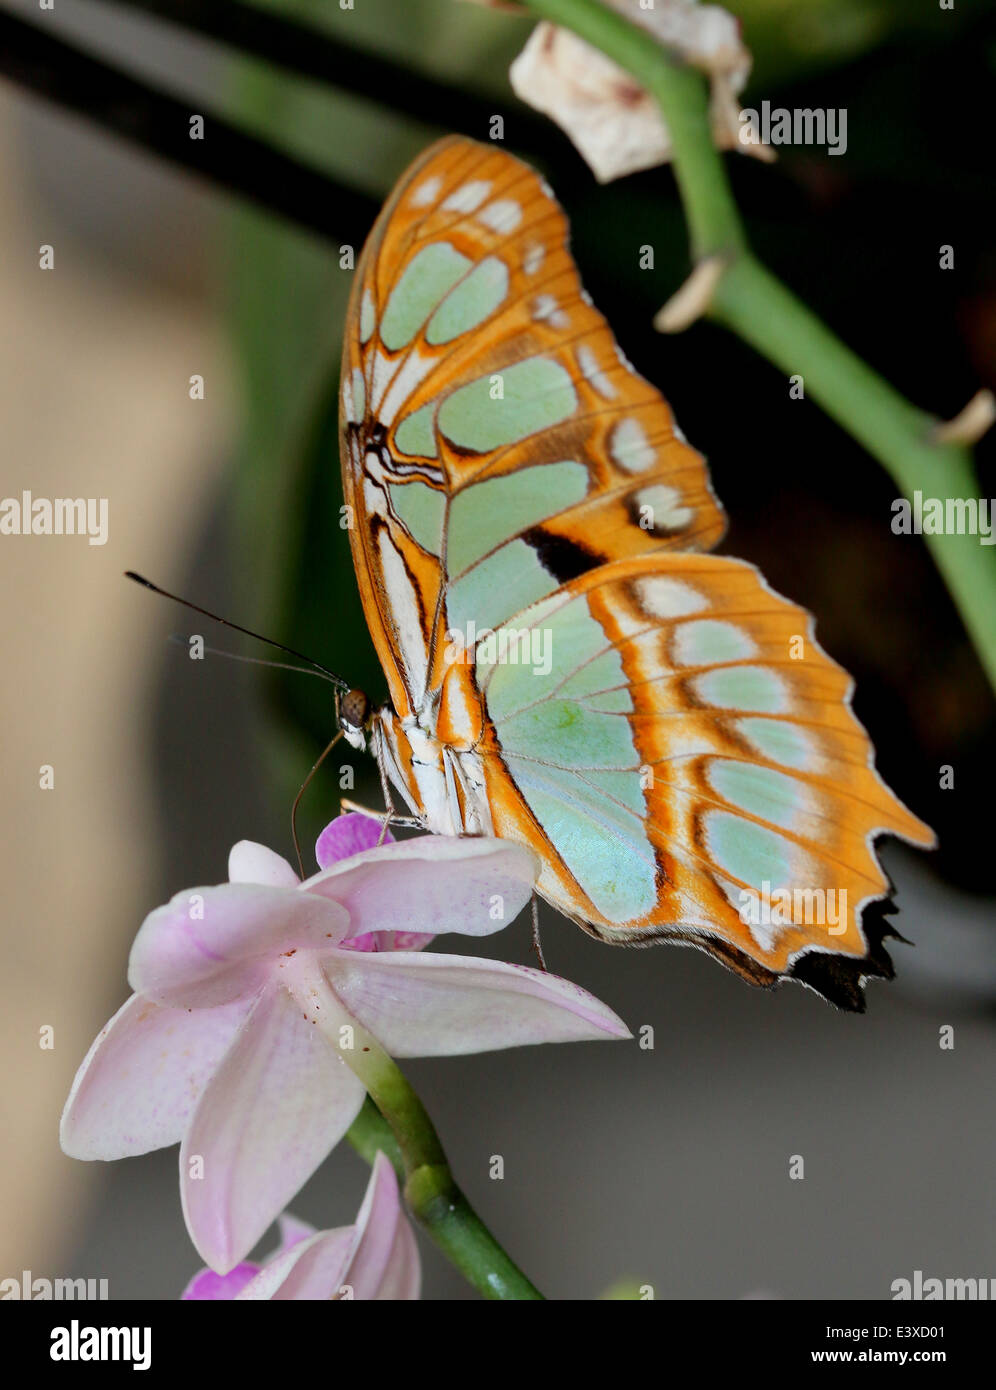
x=670 y=1166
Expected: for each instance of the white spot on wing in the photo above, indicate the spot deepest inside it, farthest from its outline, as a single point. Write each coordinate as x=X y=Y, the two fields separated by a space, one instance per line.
x=415 y=369
x=631 y=448
x=368 y=316
x=668 y=598
x=405 y=615
x=547 y=310
x=373 y=493
x=354 y=396
x=533 y=258
x=501 y=216
x=665 y=507
x=468 y=197
x=383 y=368
x=427 y=192
x=591 y=371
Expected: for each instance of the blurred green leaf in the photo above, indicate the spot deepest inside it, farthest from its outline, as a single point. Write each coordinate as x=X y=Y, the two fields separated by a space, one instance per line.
x=790 y=39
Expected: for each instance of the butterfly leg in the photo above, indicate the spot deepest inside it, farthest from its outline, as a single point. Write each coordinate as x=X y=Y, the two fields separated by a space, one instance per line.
x=385 y=787
x=385 y=818
x=537 y=945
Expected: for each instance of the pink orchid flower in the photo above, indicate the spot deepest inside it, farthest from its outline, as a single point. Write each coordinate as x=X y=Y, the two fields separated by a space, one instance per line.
x=236 y=1040
x=375 y=1259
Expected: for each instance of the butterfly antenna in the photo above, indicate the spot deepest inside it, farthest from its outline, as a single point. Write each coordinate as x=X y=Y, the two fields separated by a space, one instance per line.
x=182 y=641
x=303 y=788
x=226 y=622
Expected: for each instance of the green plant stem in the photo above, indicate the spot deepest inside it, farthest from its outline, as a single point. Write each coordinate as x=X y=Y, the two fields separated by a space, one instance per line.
x=754 y=304
x=370 y=1132
x=397 y=1122
x=751 y=302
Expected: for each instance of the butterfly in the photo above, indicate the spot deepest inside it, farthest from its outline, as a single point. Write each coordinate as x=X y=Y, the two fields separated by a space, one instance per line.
x=568 y=666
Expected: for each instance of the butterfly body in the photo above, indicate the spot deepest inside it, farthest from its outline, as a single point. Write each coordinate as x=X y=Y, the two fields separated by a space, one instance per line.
x=567 y=667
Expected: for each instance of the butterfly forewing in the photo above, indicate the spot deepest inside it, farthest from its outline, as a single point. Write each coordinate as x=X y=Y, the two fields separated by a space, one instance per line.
x=484 y=397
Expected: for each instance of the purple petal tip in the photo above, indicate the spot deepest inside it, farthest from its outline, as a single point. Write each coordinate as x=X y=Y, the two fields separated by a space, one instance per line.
x=348 y=835
x=210 y=1287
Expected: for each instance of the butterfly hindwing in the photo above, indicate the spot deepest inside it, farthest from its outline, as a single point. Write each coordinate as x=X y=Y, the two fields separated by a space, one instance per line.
x=685 y=776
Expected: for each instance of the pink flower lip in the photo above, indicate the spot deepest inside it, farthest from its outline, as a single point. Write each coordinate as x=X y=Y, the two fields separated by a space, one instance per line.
x=348 y=835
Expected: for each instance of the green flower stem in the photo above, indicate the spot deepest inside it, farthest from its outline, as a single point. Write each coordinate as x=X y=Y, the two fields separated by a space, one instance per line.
x=398 y=1123
x=370 y=1132
x=755 y=305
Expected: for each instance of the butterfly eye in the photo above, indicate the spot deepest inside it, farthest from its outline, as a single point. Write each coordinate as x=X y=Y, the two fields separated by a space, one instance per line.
x=354 y=711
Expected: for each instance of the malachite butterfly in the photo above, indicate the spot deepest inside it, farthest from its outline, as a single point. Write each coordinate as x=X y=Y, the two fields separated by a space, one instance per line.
x=567 y=667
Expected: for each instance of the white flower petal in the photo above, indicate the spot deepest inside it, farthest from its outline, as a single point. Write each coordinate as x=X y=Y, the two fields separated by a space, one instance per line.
x=438 y=1005
x=209 y=945
x=313 y=1269
x=280 y=1100
x=402 y=1279
x=143 y=1076
x=383 y=1263
x=375 y=1259
x=249 y=862
x=435 y=883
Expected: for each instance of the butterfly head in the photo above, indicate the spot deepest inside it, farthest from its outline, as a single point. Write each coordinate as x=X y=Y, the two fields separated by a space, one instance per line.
x=354 y=717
